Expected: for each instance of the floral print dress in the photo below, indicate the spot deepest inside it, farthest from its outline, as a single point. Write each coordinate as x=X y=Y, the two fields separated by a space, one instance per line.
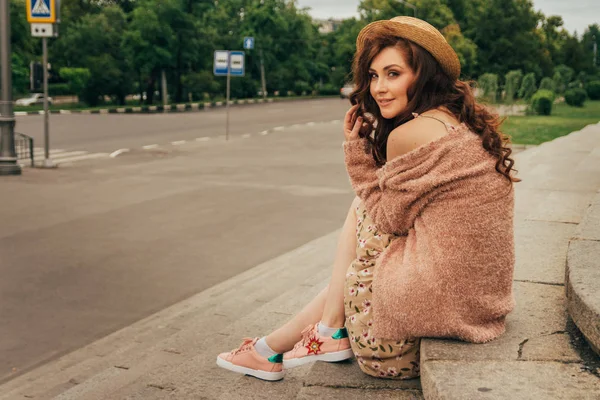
x=378 y=357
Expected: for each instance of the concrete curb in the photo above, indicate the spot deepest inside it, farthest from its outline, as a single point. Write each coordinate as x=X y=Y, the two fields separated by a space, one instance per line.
x=583 y=274
x=174 y=108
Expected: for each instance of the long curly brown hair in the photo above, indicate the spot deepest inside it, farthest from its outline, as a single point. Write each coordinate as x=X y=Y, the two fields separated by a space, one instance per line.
x=432 y=88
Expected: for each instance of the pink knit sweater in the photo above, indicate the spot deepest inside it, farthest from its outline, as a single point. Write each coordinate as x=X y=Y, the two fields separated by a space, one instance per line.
x=449 y=272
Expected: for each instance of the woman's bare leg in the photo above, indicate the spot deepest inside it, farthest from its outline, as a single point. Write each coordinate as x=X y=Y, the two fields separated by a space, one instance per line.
x=328 y=305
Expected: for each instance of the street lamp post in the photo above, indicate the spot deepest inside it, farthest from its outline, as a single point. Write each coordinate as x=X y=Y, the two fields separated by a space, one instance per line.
x=8 y=156
x=409 y=5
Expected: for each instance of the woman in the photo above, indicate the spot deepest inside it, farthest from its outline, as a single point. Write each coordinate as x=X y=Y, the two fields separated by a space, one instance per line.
x=427 y=246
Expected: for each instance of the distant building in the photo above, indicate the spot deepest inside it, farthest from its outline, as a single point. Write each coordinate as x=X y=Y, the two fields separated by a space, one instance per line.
x=328 y=25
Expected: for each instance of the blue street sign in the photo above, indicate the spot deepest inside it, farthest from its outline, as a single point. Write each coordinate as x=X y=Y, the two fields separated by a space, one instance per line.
x=236 y=63
x=249 y=43
x=41 y=11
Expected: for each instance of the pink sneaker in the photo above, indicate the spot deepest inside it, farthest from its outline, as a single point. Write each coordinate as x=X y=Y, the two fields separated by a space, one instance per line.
x=245 y=360
x=314 y=347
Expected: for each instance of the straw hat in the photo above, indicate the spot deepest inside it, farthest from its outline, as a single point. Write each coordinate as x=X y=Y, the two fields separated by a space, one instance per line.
x=419 y=32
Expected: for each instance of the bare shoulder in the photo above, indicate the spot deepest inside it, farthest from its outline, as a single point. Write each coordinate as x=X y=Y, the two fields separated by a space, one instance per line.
x=414 y=134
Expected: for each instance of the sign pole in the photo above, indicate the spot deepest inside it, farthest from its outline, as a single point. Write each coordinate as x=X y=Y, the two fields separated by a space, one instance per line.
x=47 y=161
x=262 y=75
x=228 y=90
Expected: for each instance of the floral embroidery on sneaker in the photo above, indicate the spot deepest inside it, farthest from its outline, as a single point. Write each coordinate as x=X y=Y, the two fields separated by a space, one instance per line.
x=314 y=347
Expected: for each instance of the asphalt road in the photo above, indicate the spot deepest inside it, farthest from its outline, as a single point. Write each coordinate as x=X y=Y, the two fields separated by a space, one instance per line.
x=110 y=132
x=90 y=248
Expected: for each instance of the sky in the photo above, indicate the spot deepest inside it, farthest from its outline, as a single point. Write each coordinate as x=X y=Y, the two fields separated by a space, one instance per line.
x=576 y=14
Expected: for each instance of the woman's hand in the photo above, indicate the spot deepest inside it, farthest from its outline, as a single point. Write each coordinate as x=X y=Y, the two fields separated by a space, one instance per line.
x=352 y=124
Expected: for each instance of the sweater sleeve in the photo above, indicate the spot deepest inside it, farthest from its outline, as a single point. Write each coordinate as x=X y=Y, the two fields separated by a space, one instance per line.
x=397 y=193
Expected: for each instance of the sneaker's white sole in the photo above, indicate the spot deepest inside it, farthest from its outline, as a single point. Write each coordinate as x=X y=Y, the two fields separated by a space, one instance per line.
x=267 y=376
x=327 y=357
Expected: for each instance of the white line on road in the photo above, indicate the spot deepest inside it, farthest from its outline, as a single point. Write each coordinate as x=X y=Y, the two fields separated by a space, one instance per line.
x=79 y=158
x=118 y=152
x=279 y=128
x=336 y=121
x=310 y=123
x=150 y=146
x=61 y=154
x=178 y=142
x=40 y=150
x=246 y=136
x=202 y=139
x=264 y=133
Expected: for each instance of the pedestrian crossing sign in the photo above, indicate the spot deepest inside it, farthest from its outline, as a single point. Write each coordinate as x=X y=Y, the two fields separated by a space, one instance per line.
x=41 y=11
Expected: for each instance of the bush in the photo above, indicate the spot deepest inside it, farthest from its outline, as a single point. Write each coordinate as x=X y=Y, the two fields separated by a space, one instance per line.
x=563 y=75
x=513 y=82
x=489 y=84
x=548 y=84
x=575 y=97
x=541 y=102
x=301 y=87
x=329 y=89
x=527 y=86
x=593 y=90
x=77 y=79
x=60 y=89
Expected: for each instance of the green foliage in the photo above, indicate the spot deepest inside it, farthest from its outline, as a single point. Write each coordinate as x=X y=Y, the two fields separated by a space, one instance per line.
x=201 y=85
x=489 y=84
x=301 y=87
x=528 y=87
x=541 y=102
x=563 y=75
x=513 y=83
x=59 y=89
x=20 y=75
x=127 y=44
x=464 y=47
x=575 y=97
x=77 y=79
x=329 y=89
x=547 y=84
x=593 y=90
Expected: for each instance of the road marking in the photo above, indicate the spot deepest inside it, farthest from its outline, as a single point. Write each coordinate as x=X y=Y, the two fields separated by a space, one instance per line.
x=79 y=158
x=202 y=139
x=279 y=128
x=246 y=136
x=264 y=133
x=62 y=155
x=118 y=152
x=40 y=150
x=310 y=123
x=150 y=146
x=336 y=121
x=178 y=142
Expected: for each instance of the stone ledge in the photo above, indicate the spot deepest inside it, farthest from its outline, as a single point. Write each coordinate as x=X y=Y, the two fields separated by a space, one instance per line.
x=582 y=290
x=582 y=275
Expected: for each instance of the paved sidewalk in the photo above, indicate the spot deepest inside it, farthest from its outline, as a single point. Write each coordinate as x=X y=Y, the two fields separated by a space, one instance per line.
x=171 y=355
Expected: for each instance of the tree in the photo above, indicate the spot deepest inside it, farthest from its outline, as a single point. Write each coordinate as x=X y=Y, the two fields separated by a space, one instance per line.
x=465 y=49
x=506 y=37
